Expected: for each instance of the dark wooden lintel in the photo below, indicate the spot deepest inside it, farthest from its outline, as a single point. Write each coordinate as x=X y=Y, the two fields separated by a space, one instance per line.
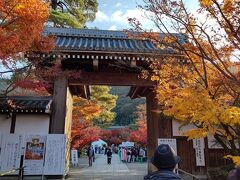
x=110 y=78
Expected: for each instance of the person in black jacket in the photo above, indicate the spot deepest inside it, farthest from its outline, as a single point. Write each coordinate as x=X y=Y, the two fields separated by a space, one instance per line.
x=91 y=155
x=165 y=160
x=109 y=156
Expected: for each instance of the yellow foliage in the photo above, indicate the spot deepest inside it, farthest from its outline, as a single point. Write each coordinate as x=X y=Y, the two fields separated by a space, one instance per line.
x=85 y=109
x=155 y=78
x=185 y=97
x=206 y=3
x=235 y=159
x=228 y=6
x=195 y=133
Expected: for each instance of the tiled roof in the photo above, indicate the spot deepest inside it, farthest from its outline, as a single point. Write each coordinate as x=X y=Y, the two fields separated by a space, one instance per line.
x=31 y=104
x=84 y=40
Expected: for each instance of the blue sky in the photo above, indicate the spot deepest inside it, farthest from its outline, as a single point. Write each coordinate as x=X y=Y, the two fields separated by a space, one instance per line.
x=113 y=14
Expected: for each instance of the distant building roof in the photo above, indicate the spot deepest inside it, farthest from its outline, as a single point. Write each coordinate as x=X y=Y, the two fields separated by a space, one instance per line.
x=25 y=104
x=86 y=40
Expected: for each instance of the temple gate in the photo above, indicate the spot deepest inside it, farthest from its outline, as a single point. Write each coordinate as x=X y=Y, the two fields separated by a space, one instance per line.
x=102 y=57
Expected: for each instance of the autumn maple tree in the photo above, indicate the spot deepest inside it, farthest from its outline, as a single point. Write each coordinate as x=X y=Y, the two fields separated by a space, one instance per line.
x=83 y=131
x=199 y=81
x=115 y=136
x=140 y=135
x=21 y=27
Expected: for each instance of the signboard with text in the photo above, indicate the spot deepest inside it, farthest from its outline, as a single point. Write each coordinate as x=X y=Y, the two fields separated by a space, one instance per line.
x=11 y=145
x=171 y=142
x=199 y=145
x=55 y=154
x=43 y=154
x=74 y=157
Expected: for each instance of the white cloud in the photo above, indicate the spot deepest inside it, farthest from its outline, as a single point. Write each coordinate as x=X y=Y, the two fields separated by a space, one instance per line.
x=101 y=16
x=117 y=16
x=118 y=4
x=113 y=27
x=122 y=18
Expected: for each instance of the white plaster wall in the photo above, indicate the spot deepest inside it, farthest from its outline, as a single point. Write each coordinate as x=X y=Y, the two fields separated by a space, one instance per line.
x=32 y=124
x=5 y=123
x=179 y=132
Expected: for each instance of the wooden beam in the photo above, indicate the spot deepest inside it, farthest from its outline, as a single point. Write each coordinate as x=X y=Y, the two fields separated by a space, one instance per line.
x=139 y=91
x=110 y=78
x=59 y=106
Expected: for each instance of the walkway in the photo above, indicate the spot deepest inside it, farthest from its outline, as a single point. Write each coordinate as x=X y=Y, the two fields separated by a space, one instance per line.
x=115 y=171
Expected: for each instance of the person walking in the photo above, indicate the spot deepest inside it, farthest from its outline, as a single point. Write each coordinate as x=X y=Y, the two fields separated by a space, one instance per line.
x=165 y=160
x=129 y=155
x=133 y=155
x=90 y=154
x=109 y=156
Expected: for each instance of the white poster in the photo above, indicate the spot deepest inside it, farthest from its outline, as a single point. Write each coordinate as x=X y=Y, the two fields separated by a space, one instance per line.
x=74 y=157
x=55 y=154
x=11 y=145
x=200 y=158
x=34 y=154
x=199 y=145
x=178 y=129
x=171 y=142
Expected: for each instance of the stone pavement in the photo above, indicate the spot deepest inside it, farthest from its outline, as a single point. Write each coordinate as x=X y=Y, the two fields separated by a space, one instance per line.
x=101 y=170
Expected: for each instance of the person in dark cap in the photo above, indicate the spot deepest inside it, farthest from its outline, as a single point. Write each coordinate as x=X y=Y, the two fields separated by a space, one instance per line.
x=234 y=174
x=165 y=160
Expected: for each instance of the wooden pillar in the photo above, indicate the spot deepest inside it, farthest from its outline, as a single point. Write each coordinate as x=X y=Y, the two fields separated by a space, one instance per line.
x=59 y=106
x=157 y=127
x=13 y=123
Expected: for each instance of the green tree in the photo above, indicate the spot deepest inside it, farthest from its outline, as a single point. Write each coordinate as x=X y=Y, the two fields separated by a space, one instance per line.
x=126 y=106
x=107 y=101
x=72 y=13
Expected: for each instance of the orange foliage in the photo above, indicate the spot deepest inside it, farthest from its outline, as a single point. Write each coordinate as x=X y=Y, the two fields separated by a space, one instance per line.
x=83 y=133
x=115 y=136
x=21 y=26
x=140 y=135
x=85 y=109
x=83 y=130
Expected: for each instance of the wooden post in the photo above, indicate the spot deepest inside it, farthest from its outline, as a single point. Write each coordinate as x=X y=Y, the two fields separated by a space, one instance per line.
x=59 y=106
x=157 y=127
x=13 y=123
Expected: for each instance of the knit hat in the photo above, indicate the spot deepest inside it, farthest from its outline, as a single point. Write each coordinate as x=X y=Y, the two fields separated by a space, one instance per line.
x=165 y=157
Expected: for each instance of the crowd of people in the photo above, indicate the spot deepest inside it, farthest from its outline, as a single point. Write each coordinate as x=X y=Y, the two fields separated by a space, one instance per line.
x=132 y=154
x=126 y=154
x=164 y=159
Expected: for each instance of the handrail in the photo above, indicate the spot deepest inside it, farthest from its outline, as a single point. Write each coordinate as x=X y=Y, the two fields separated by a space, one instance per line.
x=11 y=171
x=187 y=173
